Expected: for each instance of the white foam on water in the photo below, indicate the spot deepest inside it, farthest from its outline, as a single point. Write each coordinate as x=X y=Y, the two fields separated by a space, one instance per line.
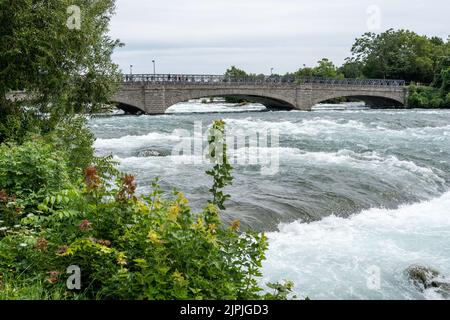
x=343 y=159
x=340 y=106
x=131 y=142
x=196 y=106
x=365 y=160
x=334 y=258
x=320 y=126
x=306 y=127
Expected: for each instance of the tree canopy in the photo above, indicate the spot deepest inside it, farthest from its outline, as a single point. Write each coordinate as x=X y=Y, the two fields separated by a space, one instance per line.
x=59 y=53
x=235 y=72
x=325 y=69
x=394 y=54
x=401 y=54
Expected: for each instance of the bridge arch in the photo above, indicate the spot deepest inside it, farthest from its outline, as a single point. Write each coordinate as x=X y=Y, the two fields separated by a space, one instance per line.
x=128 y=108
x=270 y=100
x=137 y=100
x=371 y=99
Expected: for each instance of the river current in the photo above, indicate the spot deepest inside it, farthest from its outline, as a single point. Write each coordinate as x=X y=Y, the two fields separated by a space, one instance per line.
x=357 y=193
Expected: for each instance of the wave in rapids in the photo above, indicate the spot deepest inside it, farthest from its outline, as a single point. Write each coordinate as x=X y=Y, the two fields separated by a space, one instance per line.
x=332 y=258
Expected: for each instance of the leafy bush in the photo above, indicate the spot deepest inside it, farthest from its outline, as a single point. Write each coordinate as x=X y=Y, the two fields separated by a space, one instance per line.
x=31 y=288
x=15 y=125
x=73 y=138
x=447 y=100
x=427 y=97
x=31 y=167
x=28 y=173
x=445 y=76
x=127 y=246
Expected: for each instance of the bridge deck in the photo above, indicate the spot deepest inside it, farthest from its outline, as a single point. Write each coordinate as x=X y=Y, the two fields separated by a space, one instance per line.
x=154 y=93
x=256 y=79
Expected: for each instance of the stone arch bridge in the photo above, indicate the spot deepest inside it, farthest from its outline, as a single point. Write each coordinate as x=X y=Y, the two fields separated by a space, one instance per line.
x=154 y=93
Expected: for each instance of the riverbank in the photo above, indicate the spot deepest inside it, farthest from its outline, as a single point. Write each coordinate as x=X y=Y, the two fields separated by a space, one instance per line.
x=428 y=97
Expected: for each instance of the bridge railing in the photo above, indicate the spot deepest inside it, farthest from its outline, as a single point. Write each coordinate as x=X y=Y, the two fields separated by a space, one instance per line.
x=257 y=79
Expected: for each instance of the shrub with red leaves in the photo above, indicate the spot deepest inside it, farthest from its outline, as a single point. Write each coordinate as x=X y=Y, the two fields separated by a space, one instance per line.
x=41 y=244
x=128 y=188
x=85 y=225
x=91 y=178
x=3 y=196
x=53 y=276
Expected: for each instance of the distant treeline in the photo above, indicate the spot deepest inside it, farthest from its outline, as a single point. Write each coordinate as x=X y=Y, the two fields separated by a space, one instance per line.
x=424 y=62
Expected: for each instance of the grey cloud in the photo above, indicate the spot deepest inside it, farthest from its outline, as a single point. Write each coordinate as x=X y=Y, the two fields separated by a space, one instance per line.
x=207 y=36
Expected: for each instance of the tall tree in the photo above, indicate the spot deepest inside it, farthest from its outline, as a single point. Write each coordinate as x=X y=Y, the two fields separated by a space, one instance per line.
x=59 y=53
x=234 y=72
x=400 y=54
x=352 y=69
x=324 y=69
x=442 y=57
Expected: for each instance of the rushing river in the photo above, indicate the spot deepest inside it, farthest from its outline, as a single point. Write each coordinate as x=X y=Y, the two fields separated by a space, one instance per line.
x=357 y=193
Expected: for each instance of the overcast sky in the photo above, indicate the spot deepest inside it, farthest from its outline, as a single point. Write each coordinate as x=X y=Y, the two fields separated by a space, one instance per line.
x=207 y=36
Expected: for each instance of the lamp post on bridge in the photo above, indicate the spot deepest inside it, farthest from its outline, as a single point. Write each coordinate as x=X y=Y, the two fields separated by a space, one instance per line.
x=130 y=78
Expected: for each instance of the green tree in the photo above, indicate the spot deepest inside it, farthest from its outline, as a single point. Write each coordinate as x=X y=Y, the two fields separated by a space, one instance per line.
x=445 y=82
x=324 y=69
x=304 y=72
x=401 y=54
x=352 y=69
x=62 y=68
x=234 y=72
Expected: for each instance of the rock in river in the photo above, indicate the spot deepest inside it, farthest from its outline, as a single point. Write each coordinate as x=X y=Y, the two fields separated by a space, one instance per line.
x=428 y=278
x=151 y=153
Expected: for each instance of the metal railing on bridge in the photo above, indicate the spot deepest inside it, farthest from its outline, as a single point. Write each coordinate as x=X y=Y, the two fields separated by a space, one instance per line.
x=257 y=79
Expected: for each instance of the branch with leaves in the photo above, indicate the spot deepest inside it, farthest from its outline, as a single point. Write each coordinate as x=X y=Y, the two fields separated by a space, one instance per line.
x=221 y=172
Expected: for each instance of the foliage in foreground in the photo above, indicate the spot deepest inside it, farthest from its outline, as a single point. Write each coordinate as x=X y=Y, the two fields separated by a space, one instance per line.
x=127 y=246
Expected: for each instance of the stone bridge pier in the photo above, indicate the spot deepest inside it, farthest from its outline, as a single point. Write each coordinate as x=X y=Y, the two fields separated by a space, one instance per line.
x=154 y=94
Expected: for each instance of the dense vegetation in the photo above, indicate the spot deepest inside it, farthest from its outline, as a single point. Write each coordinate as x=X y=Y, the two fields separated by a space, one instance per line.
x=126 y=246
x=422 y=61
x=403 y=54
x=63 y=70
x=62 y=208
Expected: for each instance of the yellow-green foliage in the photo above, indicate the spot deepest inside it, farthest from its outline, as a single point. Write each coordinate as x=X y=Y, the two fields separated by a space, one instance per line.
x=128 y=246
